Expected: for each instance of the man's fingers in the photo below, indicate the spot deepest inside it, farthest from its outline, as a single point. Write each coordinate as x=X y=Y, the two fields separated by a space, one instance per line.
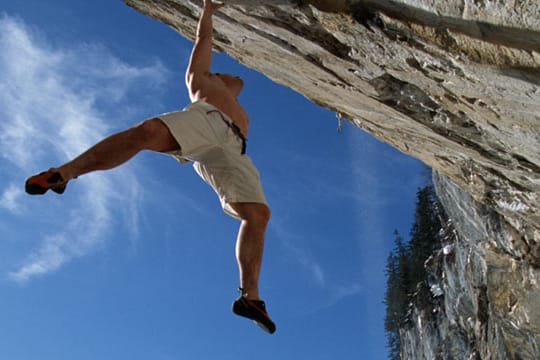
x=214 y=5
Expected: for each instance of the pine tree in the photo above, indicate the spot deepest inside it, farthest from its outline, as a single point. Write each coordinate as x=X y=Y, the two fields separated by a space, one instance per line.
x=405 y=271
x=424 y=231
x=391 y=320
x=406 y=277
x=395 y=297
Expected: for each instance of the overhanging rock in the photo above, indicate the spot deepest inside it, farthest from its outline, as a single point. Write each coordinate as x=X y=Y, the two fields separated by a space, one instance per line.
x=453 y=83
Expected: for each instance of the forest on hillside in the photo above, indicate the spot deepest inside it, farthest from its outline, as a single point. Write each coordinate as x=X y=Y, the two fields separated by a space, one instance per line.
x=407 y=278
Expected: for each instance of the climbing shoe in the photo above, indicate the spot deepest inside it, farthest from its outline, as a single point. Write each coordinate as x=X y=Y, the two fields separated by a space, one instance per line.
x=40 y=183
x=254 y=310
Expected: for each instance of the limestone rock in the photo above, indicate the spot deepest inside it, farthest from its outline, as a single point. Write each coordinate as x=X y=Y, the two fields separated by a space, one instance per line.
x=489 y=303
x=454 y=83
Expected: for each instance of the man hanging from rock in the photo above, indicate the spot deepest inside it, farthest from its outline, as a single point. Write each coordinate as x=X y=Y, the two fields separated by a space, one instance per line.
x=211 y=132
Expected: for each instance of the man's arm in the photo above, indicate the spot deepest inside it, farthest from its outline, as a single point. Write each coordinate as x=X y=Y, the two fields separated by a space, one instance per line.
x=201 y=55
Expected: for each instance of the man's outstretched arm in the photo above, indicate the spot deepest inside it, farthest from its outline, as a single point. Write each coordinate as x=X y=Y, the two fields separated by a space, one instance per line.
x=201 y=55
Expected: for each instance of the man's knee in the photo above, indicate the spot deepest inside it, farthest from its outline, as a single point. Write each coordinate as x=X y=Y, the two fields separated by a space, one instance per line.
x=253 y=212
x=262 y=213
x=155 y=135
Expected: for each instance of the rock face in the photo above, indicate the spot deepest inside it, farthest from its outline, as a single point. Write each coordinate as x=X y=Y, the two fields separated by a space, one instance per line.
x=454 y=83
x=487 y=303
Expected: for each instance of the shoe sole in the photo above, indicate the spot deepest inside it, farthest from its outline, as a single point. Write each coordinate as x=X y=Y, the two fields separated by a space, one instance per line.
x=35 y=189
x=242 y=307
x=38 y=185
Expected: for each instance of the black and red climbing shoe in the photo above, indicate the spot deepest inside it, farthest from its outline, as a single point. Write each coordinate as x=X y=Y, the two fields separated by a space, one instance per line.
x=40 y=183
x=254 y=310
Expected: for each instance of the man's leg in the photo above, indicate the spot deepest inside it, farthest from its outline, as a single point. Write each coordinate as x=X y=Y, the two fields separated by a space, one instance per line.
x=249 y=250
x=106 y=154
x=118 y=148
x=249 y=245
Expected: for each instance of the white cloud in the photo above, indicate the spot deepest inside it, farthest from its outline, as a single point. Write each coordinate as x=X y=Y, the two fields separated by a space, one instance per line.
x=49 y=257
x=300 y=255
x=343 y=291
x=54 y=103
x=9 y=199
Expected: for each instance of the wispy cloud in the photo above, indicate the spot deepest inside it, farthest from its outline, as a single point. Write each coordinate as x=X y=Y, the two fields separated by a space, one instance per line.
x=302 y=256
x=329 y=283
x=9 y=199
x=56 y=102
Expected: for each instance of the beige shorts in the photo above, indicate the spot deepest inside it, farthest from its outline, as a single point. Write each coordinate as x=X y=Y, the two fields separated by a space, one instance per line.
x=215 y=150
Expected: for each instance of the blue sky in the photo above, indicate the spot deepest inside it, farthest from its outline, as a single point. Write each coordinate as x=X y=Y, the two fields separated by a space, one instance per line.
x=138 y=262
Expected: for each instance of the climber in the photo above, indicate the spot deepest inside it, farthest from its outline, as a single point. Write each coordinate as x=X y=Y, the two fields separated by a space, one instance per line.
x=211 y=132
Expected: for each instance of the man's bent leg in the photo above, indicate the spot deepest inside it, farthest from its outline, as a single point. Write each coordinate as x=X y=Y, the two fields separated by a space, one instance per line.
x=118 y=148
x=250 y=244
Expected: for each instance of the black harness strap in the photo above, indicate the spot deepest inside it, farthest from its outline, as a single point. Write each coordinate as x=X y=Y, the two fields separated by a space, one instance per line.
x=234 y=128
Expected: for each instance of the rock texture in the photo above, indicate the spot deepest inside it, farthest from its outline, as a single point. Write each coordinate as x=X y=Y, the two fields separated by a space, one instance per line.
x=454 y=83
x=487 y=304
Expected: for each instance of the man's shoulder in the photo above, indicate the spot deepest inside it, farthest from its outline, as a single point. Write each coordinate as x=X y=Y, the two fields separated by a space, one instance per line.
x=203 y=82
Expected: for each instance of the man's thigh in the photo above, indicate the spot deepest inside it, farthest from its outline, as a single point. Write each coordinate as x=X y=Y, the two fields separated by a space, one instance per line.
x=158 y=136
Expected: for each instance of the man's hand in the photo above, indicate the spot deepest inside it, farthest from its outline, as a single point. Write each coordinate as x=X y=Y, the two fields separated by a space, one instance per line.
x=211 y=6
